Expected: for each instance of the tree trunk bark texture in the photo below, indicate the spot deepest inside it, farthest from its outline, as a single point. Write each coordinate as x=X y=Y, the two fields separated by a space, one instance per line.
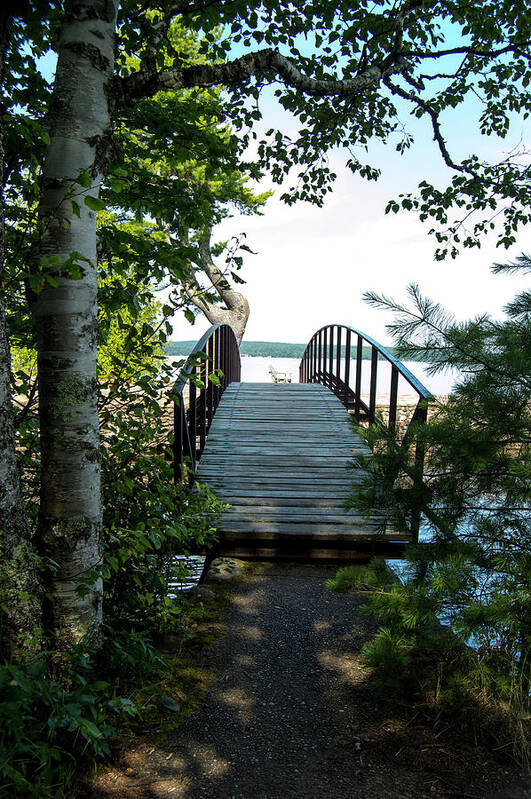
x=20 y=607
x=66 y=324
x=236 y=312
x=20 y=594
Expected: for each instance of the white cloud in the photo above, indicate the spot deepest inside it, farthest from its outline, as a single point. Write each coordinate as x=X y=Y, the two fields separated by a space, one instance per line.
x=313 y=265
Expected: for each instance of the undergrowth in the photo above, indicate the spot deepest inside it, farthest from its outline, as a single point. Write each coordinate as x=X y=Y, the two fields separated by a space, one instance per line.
x=53 y=729
x=414 y=654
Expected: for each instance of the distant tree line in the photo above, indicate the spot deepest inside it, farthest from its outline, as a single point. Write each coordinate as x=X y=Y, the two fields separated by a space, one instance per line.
x=267 y=349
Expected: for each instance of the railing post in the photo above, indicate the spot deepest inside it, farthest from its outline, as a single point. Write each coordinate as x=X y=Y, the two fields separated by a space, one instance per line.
x=374 y=375
x=192 y=414
x=210 y=385
x=357 y=389
x=217 y=361
x=314 y=359
x=393 y=398
x=319 y=359
x=237 y=365
x=420 y=454
x=325 y=355
x=223 y=359
x=226 y=356
x=347 y=368
x=331 y=358
x=178 y=413
x=338 y=362
x=202 y=405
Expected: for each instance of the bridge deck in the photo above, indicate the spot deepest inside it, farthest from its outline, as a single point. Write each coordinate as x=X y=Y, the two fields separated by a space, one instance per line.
x=278 y=454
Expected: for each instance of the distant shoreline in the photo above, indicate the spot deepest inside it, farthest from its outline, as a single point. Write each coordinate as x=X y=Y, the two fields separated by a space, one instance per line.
x=267 y=349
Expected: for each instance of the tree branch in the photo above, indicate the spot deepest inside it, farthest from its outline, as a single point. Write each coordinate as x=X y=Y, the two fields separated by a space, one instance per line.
x=435 y=123
x=196 y=8
x=241 y=70
x=521 y=48
x=236 y=313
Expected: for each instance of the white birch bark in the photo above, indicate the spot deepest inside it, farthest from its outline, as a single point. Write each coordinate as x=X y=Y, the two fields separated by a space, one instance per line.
x=66 y=323
x=236 y=310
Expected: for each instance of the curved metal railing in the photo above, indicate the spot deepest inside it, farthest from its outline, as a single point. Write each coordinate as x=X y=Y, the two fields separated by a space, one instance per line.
x=327 y=360
x=213 y=363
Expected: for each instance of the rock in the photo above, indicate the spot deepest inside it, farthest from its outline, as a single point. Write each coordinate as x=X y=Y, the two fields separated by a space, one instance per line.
x=167 y=703
x=202 y=593
x=225 y=569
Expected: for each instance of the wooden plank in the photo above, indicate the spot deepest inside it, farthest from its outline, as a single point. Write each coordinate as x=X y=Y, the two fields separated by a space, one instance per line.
x=279 y=519
x=324 y=477
x=335 y=514
x=236 y=549
x=279 y=479
x=229 y=526
x=333 y=532
x=300 y=492
x=288 y=500
x=279 y=455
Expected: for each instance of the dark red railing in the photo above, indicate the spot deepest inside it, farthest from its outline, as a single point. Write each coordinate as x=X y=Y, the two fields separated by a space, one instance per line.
x=328 y=360
x=213 y=363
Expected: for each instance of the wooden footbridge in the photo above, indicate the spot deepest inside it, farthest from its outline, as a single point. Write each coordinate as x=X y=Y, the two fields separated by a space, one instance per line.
x=280 y=455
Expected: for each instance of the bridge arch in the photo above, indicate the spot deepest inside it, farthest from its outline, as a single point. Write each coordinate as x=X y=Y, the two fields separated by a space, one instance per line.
x=278 y=454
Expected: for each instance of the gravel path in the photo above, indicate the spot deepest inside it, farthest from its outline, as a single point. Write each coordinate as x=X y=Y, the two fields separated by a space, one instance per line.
x=273 y=726
x=293 y=713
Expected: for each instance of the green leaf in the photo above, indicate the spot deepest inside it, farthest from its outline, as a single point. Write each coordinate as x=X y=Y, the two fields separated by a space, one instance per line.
x=84 y=179
x=94 y=203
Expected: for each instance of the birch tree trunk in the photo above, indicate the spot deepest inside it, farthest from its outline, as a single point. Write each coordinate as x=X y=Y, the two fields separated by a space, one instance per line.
x=236 y=310
x=20 y=608
x=66 y=323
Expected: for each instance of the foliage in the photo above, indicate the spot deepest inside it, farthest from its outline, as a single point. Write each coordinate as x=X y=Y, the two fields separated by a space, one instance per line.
x=449 y=56
x=472 y=568
x=176 y=173
x=47 y=725
x=349 y=577
x=414 y=654
x=48 y=722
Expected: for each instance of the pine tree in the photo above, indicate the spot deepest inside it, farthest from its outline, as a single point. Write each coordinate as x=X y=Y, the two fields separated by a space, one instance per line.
x=471 y=571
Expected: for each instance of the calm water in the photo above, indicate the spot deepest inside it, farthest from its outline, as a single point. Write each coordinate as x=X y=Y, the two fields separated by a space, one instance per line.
x=256 y=370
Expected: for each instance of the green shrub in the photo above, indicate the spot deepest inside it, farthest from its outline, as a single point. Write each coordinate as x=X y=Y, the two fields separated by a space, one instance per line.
x=47 y=726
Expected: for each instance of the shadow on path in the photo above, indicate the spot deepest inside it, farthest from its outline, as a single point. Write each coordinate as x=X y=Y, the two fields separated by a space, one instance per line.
x=294 y=714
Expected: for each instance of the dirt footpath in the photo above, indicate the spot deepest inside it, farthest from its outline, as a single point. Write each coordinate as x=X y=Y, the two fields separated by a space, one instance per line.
x=294 y=714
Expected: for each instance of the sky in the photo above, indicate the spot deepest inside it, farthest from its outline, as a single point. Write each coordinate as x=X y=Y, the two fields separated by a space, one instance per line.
x=313 y=264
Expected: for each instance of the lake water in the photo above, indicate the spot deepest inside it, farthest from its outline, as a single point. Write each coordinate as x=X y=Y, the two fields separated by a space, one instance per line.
x=256 y=370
